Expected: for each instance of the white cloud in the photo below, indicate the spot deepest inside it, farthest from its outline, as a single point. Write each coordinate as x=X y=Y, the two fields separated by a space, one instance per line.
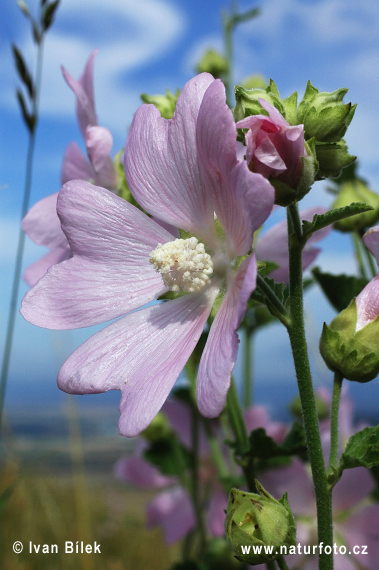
x=128 y=36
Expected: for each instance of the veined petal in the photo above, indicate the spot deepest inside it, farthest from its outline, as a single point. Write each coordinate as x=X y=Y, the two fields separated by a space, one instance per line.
x=109 y=274
x=42 y=225
x=243 y=199
x=83 y=89
x=371 y=240
x=99 y=143
x=142 y=355
x=220 y=352
x=162 y=165
x=75 y=165
x=36 y=270
x=368 y=304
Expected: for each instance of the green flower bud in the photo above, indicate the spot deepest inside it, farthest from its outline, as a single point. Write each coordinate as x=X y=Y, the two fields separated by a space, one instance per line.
x=247 y=103
x=258 y=521
x=332 y=158
x=255 y=81
x=164 y=103
x=158 y=429
x=324 y=115
x=321 y=407
x=353 y=354
x=357 y=191
x=213 y=62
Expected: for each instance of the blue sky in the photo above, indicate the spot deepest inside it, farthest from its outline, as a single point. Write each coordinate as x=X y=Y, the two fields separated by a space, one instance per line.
x=148 y=46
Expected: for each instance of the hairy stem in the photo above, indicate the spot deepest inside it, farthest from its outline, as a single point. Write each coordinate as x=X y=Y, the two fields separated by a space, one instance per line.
x=296 y=331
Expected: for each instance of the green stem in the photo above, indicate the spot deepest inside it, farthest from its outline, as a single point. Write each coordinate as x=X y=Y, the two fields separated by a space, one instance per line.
x=337 y=385
x=281 y=563
x=195 y=488
x=216 y=452
x=238 y=426
x=21 y=239
x=247 y=370
x=358 y=254
x=296 y=331
x=369 y=258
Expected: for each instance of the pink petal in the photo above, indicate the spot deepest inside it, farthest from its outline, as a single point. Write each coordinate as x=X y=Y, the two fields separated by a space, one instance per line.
x=75 y=165
x=180 y=418
x=243 y=199
x=36 y=270
x=173 y=511
x=295 y=480
x=368 y=304
x=354 y=485
x=220 y=352
x=361 y=529
x=216 y=513
x=141 y=354
x=42 y=225
x=83 y=89
x=139 y=472
x=257 y=416
x=162 y=164
x=273 y=246
x=371 y=240
x=274 y=114
x=109 y=273
x=99 y=143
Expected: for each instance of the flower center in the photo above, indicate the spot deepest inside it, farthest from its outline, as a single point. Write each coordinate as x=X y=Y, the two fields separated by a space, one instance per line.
x=183 y=264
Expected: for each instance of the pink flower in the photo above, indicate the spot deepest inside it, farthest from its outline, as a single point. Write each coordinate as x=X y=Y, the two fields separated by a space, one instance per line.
x=183 y=171
x=99 y=169
x=274 y=148
x=172 y=508
x=41 y=223
x=273 y=245
x=368 y=299
x=355 y=516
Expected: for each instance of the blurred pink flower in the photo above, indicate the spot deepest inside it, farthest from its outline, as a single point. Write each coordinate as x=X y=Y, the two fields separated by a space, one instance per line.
x=183 y=171
x=172 y=509
x=368 y=300
x=273 y=245
x=274 y=148
x=41 y=223
x=356 y=516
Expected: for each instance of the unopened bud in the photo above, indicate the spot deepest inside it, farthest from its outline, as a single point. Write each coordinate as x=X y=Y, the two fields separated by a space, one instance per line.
x=254 y=520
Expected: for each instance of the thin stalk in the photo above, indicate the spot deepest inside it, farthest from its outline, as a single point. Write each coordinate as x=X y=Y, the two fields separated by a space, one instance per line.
x=337 y=386
x=195 y=487
x=370 y=260
x=214 y=446
x=358 y=254
x=21 y=237
x=238 y=426
x=296 y=331
x=247 y=370
x=281 y=563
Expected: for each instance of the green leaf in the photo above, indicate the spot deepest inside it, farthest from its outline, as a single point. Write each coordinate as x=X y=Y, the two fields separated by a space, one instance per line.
x=323 y=220
x=262 y=446
x=168 y=456
x=280 y=290
x=48 y=14
x=29 y=118
x=362 y=450
x=339 y=289
x=23 y=71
